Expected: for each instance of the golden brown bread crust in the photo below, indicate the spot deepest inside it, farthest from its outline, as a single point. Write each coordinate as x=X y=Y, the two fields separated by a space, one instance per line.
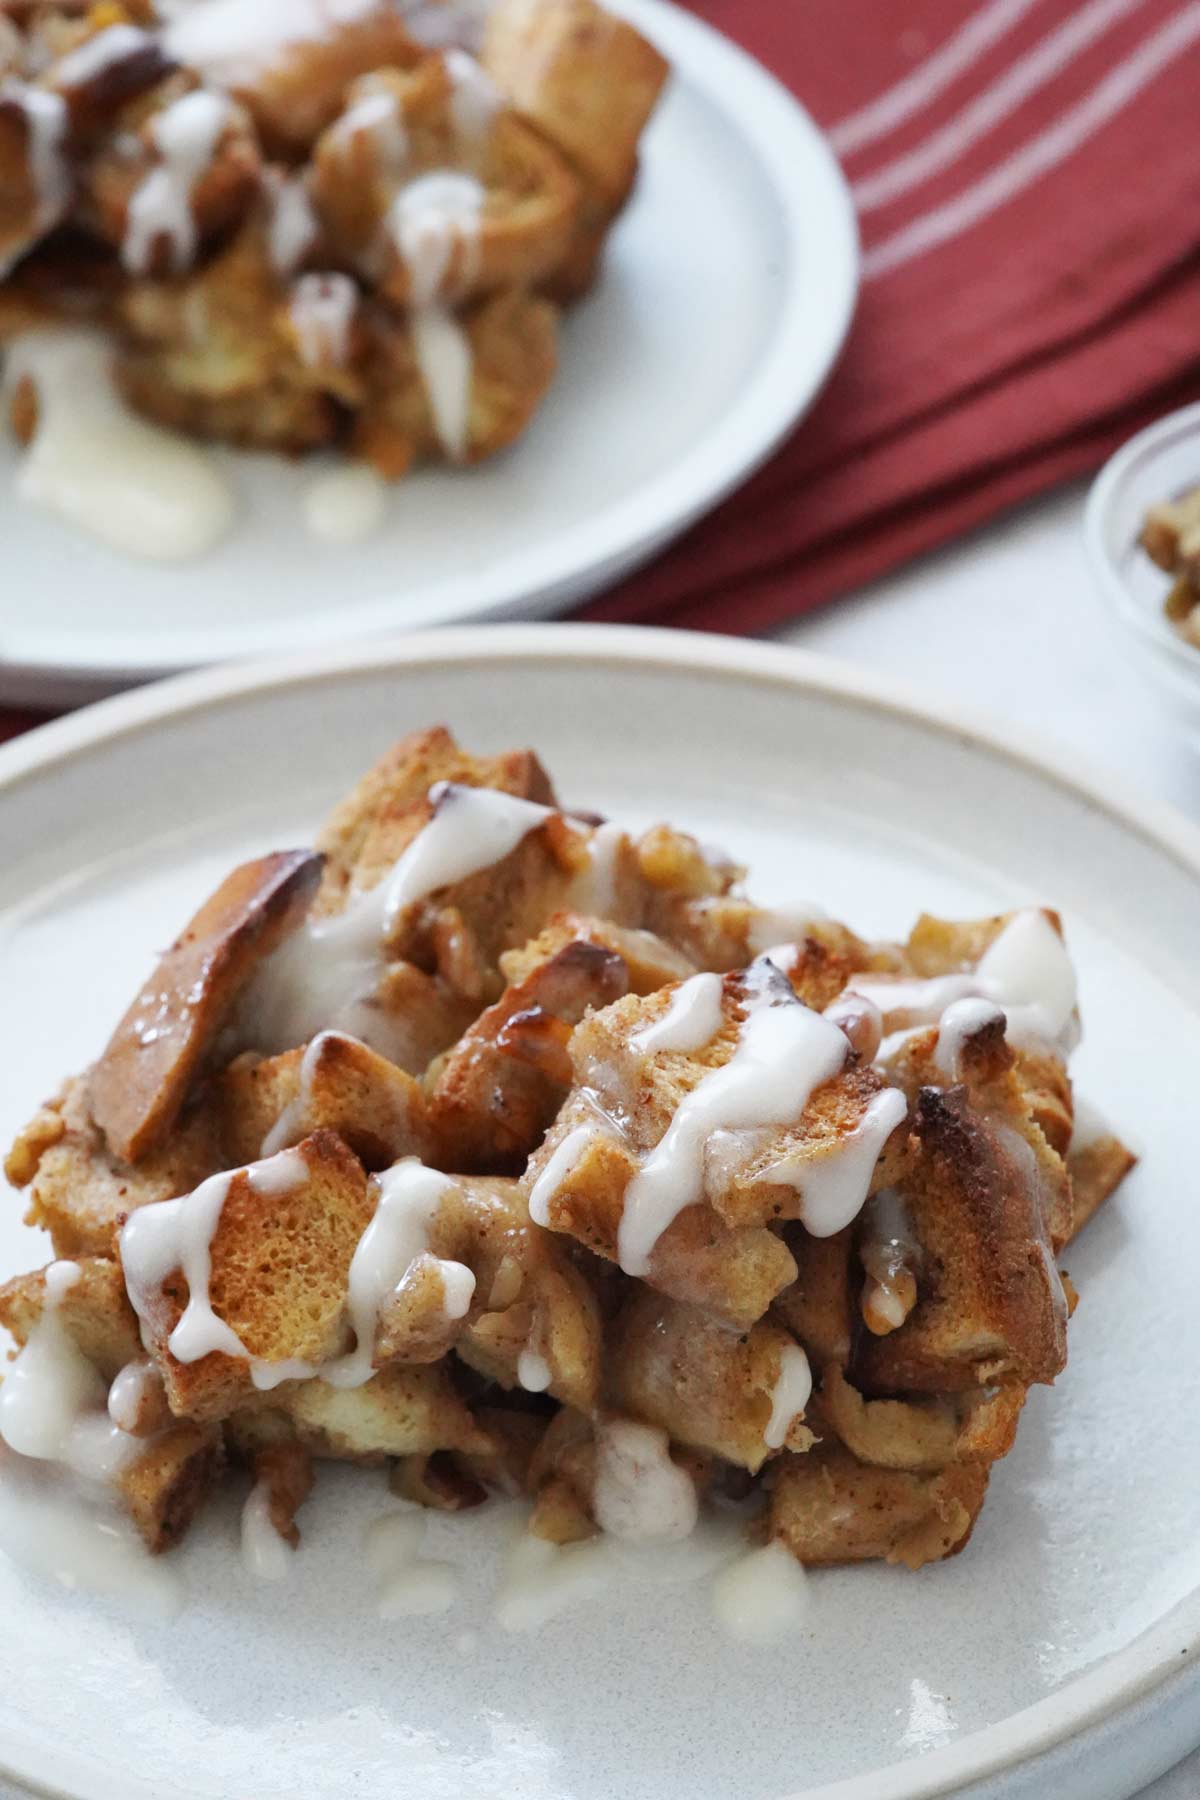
x=828 y=1508
x=279 y=1273
x=709 y=1387
x=991 y=1299
x=138 y=1086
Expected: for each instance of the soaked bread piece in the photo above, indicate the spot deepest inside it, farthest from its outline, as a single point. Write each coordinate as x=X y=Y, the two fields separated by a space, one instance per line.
x=827 y=1507
x=94 y=1310
x=280 y=1261
x=334 y=1084
x=709 y=1387
x=990 y=1302
x=79 y=1191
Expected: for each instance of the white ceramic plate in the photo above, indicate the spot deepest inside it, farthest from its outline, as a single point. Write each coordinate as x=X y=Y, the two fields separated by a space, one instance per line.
x=1051 y=1659
x=724 y=300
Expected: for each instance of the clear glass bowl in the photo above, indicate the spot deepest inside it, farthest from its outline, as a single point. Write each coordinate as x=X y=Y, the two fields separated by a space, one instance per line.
x=1158 y=464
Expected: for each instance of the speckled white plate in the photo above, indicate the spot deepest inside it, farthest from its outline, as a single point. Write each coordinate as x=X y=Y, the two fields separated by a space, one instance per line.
x=724 y=300
x=1051 y=1661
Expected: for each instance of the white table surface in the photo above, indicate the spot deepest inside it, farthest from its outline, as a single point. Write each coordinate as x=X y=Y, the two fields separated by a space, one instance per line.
x=1008 y=619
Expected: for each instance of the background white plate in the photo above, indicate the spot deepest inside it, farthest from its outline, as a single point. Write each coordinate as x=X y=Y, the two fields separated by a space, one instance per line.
x=1062 y=1634
x=724 y=300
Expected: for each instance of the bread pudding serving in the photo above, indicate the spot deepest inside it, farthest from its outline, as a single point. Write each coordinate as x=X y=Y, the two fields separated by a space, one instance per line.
x=292 y=224
x=493 y=1145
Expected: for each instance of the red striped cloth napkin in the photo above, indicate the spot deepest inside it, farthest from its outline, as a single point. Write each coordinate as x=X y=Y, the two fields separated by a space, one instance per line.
x=1027 y=177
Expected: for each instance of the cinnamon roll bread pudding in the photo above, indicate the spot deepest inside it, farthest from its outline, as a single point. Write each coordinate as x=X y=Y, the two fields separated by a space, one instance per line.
x=508 y=1152
x=290 y=224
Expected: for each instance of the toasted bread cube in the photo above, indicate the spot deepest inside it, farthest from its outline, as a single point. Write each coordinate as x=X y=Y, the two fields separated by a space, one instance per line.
x=991 y=1301
x=585 y=78
x=528 y=195
x=556 y=1320
x=94 y=1310
x=496 y=1092
x=675 y=1366
x=219 y=198
x=164 y=1487
x=79 y=1190
x=1097 y=1168
x=733 y=1272
x=279 y=1269
x=399 y=1412
x=918 y=1434
x=828 y=1508
x=750 y=1178
x=140 y=1083
x=333 y=1084
x=372 y=827
x=819 y=1306
x=1017 y=1092
x=294 y=80
x=650 y=962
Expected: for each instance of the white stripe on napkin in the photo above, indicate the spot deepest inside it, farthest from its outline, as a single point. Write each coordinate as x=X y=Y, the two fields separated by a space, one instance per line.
x=1043 y=152
x=988 y=109
x=881 y=115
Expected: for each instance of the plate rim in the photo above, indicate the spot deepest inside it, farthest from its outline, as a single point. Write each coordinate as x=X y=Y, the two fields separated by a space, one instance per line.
x=1154 y=1664
x=797 y=358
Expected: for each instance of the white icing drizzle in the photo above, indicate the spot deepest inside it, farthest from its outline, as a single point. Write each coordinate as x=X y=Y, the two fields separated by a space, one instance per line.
x=325 y=975
x=540 y=1580
x=561 y=1164
x=960 y=1021
x=789 y=1396
x=784 y=1051
x=594 y=889
x=132 y=1389
x=409 y=1196
x=53 y=1400
x=693 y=1018
x=1026 y=971
x=293 y=227
x=376 y=115
x=762 y=1596
x=781 y=927
x=428 y=218
x=639 y=1493
x=177 y=1234
x=533 y=1371
x=186 y=135
x=834 y=1187
x=53 y=1412
x=445 y=360
x=412 y=1586
x=265 y=1555
x=322 y=309
x=51 y=1529
x=231 y=42
x=474 y=97
x=888 y=1249
x=346 y=504
x=291 y=1125
x=111 y=45
x=141 y=490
